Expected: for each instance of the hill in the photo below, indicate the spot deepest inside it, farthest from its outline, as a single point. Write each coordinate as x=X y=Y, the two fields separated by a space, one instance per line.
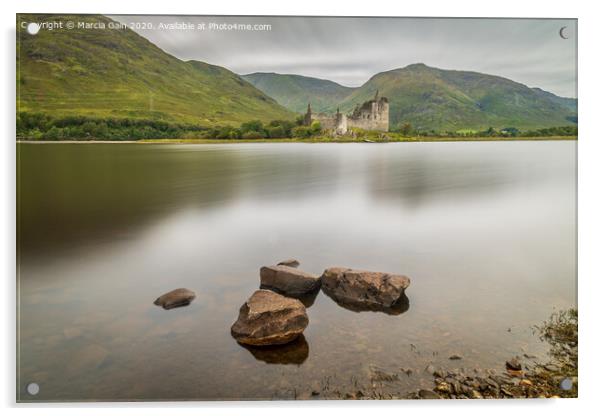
x=118 y=73
x=569 y=103
x=295 y=91
x=430 y=98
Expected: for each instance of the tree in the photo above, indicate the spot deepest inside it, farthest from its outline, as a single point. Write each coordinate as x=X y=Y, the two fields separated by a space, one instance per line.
x=316 y=127
x=276 y=132
x=253 y=135
x=253 y=125
x=406 y=129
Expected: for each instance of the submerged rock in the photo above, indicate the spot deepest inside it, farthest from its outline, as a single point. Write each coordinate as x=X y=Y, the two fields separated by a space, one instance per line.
x=268 y=318
x=175 y=298
x=359 y=287
x=288 y=280
x=289 y=263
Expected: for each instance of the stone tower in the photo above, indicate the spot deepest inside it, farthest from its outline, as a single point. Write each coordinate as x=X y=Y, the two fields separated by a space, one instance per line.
x=307 y=119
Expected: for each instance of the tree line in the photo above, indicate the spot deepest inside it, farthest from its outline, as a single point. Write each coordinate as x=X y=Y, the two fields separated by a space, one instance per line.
x=40 y=126
x=407 y=130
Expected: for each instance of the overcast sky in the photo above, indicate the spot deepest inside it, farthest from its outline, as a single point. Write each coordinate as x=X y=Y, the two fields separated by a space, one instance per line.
x=350 y=50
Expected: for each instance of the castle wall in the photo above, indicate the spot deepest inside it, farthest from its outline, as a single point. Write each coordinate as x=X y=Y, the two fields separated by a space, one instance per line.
x=341 y=124
x=328 y=122
x=372 y=115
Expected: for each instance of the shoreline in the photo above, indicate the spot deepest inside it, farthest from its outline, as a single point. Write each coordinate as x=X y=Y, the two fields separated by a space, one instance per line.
x=308 y=141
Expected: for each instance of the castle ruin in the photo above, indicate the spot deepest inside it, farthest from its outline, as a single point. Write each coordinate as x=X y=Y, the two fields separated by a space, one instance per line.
x=371 y=115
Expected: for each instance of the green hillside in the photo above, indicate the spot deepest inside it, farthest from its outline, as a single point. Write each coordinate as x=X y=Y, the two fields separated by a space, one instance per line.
x=431 y=98
x=569 y=103
x=119 y=74
x=295 y=91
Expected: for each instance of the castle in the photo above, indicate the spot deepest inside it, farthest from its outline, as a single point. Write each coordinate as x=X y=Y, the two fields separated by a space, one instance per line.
x=371 y=115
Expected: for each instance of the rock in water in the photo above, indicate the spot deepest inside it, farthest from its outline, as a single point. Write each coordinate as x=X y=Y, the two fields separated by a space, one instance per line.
x=288 y=280
x=268 y=318
x=513 y=365
x=364 y=287
x=289 y=263
x=175 y=298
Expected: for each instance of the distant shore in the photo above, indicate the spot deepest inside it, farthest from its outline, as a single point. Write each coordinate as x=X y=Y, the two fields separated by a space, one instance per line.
x=308 y=140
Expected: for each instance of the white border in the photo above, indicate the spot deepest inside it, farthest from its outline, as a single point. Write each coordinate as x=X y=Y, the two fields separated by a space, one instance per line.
x=590 y=208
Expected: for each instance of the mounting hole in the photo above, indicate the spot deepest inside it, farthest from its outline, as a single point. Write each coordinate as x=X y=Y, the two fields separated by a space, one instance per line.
x=33 y=388
x=33 y=28
x=566 y=384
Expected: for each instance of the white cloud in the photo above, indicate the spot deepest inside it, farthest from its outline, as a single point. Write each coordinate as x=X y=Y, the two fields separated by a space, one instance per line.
x=351 y=50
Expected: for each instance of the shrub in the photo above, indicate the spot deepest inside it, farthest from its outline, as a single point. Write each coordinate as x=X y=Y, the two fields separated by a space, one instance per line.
x=276 y=132
x=301 y=131
x=253 y=135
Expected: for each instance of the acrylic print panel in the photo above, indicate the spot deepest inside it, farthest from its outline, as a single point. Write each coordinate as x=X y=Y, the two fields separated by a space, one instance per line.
x=259 y=208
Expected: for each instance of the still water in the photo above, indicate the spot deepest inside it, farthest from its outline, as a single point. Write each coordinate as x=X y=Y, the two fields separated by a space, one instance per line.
x=485 y=231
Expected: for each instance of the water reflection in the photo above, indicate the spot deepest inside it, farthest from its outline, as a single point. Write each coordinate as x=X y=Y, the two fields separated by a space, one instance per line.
x=295 y=352
x=400 y=306
x=487 y=231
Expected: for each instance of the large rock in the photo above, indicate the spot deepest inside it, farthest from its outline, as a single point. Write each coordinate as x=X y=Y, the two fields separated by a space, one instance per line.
x=268 y=318
x=288 y=280
x=360 y=287
x=175 y=298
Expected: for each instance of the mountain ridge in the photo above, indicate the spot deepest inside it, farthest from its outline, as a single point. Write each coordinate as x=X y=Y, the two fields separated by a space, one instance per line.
x=299 y=90
x=120 y=74
x=441 y=99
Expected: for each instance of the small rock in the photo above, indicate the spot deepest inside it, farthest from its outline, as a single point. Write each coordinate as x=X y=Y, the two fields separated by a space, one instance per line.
x=439 y=373
x=513 y=364
x=455 y=357
x=524 y=382
x=268 y=318
x=475 y=395
x=289 y=263
x=443 y=387
x=175 y=298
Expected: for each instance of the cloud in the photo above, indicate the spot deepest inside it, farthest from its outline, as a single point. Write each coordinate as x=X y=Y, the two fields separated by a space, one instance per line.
x=351 y=50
